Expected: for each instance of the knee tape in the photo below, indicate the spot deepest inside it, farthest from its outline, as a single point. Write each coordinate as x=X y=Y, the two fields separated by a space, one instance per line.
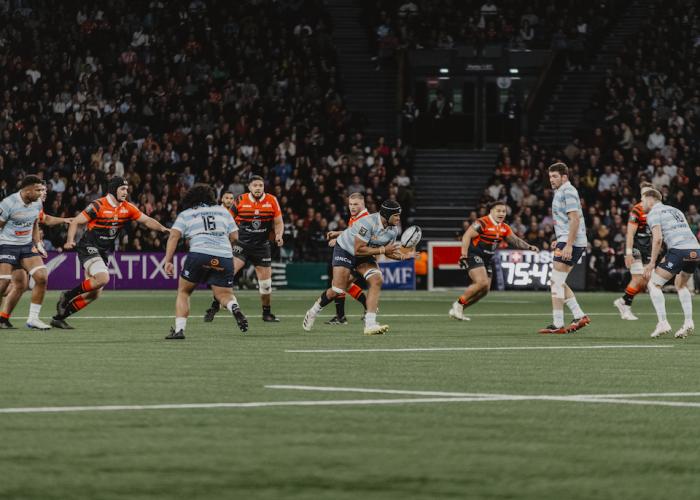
x=265 y=286
x=35 y=269
x=337 y=290
x=658 y=280
x=637 y=267
x=558 y=279
x=371 y=272
x=5 y=276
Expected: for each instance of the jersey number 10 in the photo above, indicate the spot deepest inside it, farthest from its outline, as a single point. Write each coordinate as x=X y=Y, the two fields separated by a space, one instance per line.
x=209 y=222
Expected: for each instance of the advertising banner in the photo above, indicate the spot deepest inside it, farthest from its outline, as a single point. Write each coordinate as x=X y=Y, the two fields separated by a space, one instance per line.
x=398 y=275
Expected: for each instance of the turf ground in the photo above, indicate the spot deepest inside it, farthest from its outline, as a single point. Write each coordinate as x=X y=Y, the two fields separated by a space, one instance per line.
x=479 y=409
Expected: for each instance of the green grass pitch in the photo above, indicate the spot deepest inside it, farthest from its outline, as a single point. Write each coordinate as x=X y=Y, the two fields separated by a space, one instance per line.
x=515 y=423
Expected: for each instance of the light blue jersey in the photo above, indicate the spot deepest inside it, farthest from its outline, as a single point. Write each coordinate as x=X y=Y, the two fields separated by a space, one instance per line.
x=566 y=200
x=207 y=229
x=674 y=227
x=19 y=219
x=370 y=230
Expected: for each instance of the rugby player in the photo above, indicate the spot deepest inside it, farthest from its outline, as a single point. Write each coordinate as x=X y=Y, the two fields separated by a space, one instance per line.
x=21 y=245
x=227 y=200
x=479 y=244
x=257 y=213
x=668 y=225
x=20 y=281
x=637 y=253
x=211 y=231
x=356 y=205
x=105 y=218
x=355 y=250
x=570 y=230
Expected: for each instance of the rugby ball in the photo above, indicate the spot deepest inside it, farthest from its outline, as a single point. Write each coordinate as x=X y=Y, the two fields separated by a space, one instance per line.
x=411 y=237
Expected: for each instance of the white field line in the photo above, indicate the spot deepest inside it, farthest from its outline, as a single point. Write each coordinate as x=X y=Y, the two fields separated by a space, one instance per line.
x=514 y=348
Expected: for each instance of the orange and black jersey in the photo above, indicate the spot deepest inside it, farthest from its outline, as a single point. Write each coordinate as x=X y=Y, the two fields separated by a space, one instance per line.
x=105 y=222
x=255 y=218
x=637 y=216
x=490 y=235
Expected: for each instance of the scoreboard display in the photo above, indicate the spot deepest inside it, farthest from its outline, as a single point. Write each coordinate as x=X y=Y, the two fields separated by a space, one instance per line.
x=512 y=269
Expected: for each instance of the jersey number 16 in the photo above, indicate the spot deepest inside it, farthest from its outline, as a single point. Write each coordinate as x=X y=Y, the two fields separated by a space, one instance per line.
x=209 y=222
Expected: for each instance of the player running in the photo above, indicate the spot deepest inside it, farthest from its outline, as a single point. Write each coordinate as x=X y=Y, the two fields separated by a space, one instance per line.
x=356 y=205
x=211 y=231
x=570 y=230
x=105 y=218
x=637 y=253
x=668 y=225
x=227 y=200
x=21 y=245
x=479 y=244
x=20 y=281
x=257 y=213
x=355 y=250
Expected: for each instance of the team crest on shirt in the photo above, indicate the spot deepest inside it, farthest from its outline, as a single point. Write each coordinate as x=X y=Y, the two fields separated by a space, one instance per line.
x=256 y=224
x=363 y=231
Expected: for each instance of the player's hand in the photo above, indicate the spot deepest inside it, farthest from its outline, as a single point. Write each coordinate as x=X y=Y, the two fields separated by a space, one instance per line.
x=39 y=248
x=279 y=240
x=567 y=252
x=169 y=268
x=629 y=260
x=331 y=243
x=533 y=248
x=165 y=230
x=463 y=262
x=330 y=235
x=69 y=245
x=648 y=269
x=391 y=249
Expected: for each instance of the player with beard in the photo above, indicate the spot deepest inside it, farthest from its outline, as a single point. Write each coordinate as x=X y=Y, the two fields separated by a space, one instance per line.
x=258 y=214
x=105 y=218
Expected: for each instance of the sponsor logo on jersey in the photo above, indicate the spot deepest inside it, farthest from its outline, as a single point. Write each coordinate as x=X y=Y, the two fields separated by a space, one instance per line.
x=363 y=231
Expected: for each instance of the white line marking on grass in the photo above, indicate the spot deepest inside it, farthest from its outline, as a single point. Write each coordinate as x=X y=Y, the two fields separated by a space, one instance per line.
x=514 y=348
x=316 y=388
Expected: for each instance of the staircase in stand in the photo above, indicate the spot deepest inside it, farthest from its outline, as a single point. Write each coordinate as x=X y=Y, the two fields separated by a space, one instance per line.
x=367 y=91
x=449 y=183
x=573 y=94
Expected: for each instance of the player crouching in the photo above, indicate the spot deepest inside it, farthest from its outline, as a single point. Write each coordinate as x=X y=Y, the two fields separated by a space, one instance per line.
x=479 y=244
x=211 y=231
x=356 y=249
x=669 y=225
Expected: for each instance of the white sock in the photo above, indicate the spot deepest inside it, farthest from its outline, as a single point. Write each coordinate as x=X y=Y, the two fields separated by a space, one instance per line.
x=575 y=309
x=316 y=308
x=686 y=303
x=657 y=298
x=370 y=319
x=34 y=310
x=558 y=317
x=180 y=324
x=232 y=304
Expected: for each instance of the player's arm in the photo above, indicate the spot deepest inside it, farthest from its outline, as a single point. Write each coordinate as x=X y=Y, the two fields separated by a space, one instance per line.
x=170 y=247
x=36 y=237
x=152 y=224
x=233 y=237
x=50 y=220
x=279 y=230
x=656 y=243
x=520 y=244
x=73 y=228
x=467 y=238
x=629 y=243
x=362 y=249
x=332 y=235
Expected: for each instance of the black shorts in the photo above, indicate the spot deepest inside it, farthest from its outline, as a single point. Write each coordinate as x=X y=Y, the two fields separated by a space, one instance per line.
x=677 y=260
x=208 y=269
x=342 y=258
x=641 y=253
x=15 y=254
x=475 y=260
x=87 y=252
x=576 y=254
x=258 y=255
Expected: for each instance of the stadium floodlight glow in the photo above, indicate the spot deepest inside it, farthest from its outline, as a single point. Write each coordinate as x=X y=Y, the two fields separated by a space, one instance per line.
x=514 y=71
x=444 y=71
x=444 y=78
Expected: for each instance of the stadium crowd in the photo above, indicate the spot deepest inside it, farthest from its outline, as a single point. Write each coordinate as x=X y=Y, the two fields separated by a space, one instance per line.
x=169 y=94
x=643 y=126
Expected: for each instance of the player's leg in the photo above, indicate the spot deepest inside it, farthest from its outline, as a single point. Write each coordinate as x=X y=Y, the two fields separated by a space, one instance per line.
x=560 y=271
x=225 y=297
x=96 y=278
x=36 y=270
x=5 y=275
x=264 y=274
x=686 y=299
x=636 y=285
x=182 y=308
x=659 y=277
x=357 y=293
x=477 y=289
x=18 y=284
x=341 y=274
x=581 y=319
x=373 y=277
x=214 y=308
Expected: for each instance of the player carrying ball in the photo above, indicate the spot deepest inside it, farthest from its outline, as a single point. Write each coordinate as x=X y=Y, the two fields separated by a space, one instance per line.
x=479 y=244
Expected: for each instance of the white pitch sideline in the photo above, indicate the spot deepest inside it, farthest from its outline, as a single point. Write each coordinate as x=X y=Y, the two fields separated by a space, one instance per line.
x=513 y=348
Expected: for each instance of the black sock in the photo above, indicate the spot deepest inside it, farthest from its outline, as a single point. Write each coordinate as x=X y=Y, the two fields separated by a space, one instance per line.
x=324 y=300
x=362 y=299
x=215 y=305
x=628 y=298
x=267 y=310
x=340 y=306
x=74 y=292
